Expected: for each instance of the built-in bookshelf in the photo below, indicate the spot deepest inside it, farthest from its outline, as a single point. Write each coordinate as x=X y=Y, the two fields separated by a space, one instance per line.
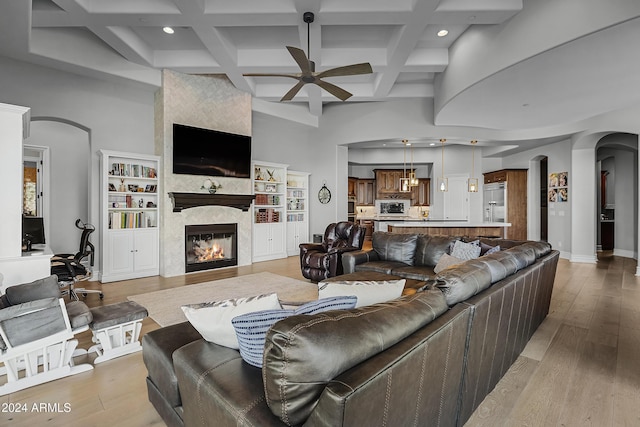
x=269 y=187
x=129 y=215
x=297 y=205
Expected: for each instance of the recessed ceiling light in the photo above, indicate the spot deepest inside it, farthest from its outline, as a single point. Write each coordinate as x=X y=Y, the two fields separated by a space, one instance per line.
x=442 y=33
x=168 y=30
x=432 y=144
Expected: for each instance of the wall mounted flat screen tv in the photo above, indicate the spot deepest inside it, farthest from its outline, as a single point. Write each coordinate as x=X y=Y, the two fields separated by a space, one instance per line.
x=198 y=151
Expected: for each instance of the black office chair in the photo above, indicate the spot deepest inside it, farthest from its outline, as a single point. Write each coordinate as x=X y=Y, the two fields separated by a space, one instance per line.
x=69 y=267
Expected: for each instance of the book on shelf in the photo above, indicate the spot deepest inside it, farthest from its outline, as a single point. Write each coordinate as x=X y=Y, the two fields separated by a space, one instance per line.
x=122 y=220
x=133 y=170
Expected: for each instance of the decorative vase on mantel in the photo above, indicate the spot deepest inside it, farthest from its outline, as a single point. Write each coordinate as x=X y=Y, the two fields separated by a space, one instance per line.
x=210 y=186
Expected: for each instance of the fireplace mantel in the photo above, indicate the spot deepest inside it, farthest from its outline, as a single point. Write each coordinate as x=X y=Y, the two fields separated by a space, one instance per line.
x=191 y=200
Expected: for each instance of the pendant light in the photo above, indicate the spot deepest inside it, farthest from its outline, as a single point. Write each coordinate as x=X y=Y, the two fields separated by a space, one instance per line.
x=472 y=183
x=443 y=183
x=413 y=181
x=404 y=181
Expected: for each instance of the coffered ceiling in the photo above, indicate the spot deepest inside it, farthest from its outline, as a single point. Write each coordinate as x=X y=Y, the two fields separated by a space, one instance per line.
x=398 y=38
x=504 y=64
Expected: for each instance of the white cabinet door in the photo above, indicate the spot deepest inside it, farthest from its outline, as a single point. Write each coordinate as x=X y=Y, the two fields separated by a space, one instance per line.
x=297 y=232
x=119 y=259
x=269 y=241
x=261 y=239
x=292 y=238
x=146 y=249
x=278 y=243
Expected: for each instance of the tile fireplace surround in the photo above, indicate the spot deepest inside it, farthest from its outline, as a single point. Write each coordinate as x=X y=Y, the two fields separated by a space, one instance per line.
x=173 y=243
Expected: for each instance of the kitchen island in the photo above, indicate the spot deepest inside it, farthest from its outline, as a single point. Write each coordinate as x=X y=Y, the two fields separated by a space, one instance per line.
x=448 y=228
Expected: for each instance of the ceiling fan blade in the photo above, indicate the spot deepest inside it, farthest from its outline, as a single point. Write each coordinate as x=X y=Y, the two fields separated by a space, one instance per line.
x=301 y=58
x=347 y=70
x=334 y=90
x=293 y=76
x=292 y=92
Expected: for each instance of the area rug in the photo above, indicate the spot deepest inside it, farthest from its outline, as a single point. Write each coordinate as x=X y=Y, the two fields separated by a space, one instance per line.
x=164 y=306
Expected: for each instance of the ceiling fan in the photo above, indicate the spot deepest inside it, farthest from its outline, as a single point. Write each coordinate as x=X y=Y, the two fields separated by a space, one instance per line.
x=309 y=74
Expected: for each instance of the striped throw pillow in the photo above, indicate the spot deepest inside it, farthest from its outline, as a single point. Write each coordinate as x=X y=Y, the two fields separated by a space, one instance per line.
x=251 y=328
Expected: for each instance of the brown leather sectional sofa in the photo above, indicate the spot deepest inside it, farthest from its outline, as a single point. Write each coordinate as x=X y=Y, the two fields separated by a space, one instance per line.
x=428 y=358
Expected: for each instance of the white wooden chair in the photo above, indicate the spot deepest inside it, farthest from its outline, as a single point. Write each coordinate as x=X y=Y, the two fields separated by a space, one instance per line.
x=37 y=337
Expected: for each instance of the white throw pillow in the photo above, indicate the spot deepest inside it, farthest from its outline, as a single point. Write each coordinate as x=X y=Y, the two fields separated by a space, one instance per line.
x=445 y=262
x=368 y=291
x=213 y=319
x=465 y=251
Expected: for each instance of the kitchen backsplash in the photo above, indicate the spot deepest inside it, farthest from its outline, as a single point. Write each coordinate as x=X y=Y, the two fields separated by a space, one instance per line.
x=370 y=211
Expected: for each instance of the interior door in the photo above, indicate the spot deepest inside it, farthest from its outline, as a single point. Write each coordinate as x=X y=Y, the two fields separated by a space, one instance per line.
x=456 y=200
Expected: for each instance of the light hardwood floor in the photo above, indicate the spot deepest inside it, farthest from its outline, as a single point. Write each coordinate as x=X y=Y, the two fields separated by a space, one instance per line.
x=581 y=368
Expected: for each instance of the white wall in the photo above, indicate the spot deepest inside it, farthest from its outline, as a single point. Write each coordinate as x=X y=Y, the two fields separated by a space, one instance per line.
x=118 y=116
x=69 y=181
x=559 y=214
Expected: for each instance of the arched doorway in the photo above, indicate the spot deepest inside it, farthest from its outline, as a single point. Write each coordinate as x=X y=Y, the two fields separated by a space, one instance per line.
x=67 y=178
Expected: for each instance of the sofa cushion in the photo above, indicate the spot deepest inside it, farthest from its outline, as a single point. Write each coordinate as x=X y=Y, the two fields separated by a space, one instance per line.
x=251 y=328
x=524 y=255
x=395 y=247
x=540 y=248
x=157 y=352
x=79 y=314
x=497 y=269
x=296 y=367
x=464 y=281
x=415 y=272
x=367 y=291
x=429 y=249
x=385 y=267
x=507 y=259
x=38 y=289
x=31 y=321
x=446 y=261
x=213 y=319
x=466 y=251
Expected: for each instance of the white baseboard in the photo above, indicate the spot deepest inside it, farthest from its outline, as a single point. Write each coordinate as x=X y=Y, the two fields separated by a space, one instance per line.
x=585 y=259
x=624 y=253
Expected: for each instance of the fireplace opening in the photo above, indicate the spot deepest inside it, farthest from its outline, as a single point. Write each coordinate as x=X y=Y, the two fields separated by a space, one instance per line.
x=210 y=246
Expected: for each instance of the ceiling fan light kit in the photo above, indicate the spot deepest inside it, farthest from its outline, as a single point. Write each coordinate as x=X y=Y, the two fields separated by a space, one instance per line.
x=308 y=74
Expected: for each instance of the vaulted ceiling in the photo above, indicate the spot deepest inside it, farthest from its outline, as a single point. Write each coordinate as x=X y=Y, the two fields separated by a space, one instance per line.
x=504 y=64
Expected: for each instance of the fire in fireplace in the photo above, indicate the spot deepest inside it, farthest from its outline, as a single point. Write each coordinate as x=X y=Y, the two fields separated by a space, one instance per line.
x=210 y=246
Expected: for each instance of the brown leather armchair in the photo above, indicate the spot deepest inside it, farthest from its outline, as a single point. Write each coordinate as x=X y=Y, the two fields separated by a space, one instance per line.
x=321 y=261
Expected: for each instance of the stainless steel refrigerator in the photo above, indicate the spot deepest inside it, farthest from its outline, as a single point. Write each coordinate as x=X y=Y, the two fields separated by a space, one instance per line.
x=495 y=202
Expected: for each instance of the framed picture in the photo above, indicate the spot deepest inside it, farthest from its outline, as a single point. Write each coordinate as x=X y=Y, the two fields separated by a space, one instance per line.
x=271 y=188
x=558 y=187
x=150 y=188
x=112 y=187
x=133 y=188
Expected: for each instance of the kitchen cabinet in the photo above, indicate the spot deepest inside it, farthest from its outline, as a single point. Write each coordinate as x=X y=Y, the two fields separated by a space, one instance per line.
x=365 y=192
x=352 y=186
x=388 y=182
x=421 y=194
x=515 y=203
x=496 y=176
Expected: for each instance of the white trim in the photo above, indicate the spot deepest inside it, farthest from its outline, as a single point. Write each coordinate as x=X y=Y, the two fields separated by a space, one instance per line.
x=587 y=259
x=624 y=253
